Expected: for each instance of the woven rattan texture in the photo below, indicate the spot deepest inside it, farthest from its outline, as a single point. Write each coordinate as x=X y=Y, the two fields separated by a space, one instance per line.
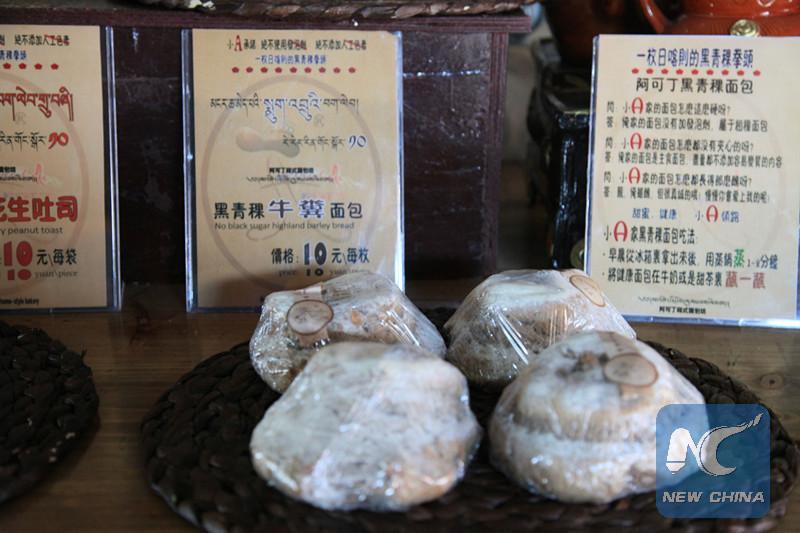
x=343 y=9
x=196 y=439
x=47 y=402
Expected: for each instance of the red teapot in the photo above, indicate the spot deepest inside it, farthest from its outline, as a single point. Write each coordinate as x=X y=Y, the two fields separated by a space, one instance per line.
x=728 y=17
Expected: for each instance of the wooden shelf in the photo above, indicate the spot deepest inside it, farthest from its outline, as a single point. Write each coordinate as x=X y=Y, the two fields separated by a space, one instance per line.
x=131 y=14
x=137 y=354
x=453 y=91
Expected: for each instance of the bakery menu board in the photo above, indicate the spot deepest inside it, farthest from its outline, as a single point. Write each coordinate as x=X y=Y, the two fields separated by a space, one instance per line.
x=57 y=213
x=694 y=194
x=294 y=150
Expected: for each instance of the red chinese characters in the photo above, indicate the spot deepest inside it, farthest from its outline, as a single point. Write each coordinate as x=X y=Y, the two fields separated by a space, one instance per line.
x=20 y=209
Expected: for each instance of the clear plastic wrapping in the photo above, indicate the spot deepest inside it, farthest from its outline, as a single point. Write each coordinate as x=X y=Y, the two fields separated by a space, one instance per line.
x=354 y=307
x=512 y=316
x=579 y=423
x=368 y=426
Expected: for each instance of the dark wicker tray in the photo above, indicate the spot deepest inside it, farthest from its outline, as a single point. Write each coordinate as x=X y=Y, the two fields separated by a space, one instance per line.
x=345 y=9
x=47 y=402
x=196 y=440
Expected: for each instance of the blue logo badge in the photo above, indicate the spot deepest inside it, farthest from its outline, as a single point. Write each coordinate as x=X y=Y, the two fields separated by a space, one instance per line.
x=712 y=461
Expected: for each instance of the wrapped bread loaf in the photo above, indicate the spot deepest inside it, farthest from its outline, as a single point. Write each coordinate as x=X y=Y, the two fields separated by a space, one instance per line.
x=369 y=426
x=510 y=317
x=354 y=307
x=579 y=423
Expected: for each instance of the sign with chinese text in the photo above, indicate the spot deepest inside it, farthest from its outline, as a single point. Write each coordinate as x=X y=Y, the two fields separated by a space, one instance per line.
x=694 y=194
x=294 y=174
x=57 y=217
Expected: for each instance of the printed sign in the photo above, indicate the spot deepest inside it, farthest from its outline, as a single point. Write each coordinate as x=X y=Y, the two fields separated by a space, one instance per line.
x=694 y=201
x=57 y=219
x=295 y=171
x=713 y=461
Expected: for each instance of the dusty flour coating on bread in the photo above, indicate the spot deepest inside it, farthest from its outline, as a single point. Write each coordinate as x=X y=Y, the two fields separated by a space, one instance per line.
x=573 y=430
x=511 y=317
x=368 y=426
x=363 y=307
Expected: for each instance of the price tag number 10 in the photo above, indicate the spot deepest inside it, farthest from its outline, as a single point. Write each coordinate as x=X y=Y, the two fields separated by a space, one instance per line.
x=23 y=256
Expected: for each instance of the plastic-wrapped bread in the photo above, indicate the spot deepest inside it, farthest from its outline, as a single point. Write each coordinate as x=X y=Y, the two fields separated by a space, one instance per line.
x=512 y=316
x=369 y=426
x=354 y=307
x=579 y=423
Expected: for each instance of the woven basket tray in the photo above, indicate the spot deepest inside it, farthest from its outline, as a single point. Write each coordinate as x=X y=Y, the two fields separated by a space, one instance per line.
x=47 y=402
x=344 y=9
x=196 y=446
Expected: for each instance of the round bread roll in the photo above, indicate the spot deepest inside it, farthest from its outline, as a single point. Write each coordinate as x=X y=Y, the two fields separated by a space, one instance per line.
x=368 y=426
x=511 y=317
x=361 y=306
x=579 y=423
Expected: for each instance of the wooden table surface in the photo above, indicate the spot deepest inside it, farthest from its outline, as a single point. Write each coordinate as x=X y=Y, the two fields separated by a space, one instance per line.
x=137 y=354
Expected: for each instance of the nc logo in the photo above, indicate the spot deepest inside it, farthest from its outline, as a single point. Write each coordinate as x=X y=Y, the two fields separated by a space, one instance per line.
x=732 y=452
x=705 y=449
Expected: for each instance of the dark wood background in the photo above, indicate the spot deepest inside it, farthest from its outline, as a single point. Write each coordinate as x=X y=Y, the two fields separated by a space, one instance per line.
x=454 y=86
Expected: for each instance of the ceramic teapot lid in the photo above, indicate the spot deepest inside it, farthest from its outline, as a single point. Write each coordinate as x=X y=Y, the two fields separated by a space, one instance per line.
x=741 y=8
x=746 y=18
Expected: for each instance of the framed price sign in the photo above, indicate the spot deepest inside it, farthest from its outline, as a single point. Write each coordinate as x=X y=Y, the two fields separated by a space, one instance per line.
x=294 y=160
x=58 y=215
x=694 y=200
